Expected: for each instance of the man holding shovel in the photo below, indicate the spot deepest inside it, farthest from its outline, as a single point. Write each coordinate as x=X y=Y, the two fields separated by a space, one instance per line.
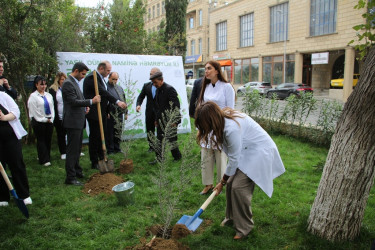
x=95 y=141
x=75 y=108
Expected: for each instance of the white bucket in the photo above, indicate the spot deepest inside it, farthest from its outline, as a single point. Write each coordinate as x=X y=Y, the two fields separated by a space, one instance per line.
x=124 y=193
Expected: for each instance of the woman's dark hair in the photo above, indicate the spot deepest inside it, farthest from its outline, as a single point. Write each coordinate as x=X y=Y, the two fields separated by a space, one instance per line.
x=210 y=122
x=37 y=79
x=206 y=81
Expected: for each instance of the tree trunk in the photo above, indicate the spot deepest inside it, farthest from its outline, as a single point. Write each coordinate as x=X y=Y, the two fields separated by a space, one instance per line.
x=348 y=174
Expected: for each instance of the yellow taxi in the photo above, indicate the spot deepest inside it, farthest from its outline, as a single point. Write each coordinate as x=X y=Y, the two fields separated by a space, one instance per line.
x=339 y=83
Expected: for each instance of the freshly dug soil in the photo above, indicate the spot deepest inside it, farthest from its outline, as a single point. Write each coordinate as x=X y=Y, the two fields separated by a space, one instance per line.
x=101 y=183
x=160 y=244
x=126 y=166
x=180 y=231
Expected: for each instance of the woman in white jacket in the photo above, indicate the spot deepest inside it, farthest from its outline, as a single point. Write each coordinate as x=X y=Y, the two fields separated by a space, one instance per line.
x=253 y=158
x=215 y=88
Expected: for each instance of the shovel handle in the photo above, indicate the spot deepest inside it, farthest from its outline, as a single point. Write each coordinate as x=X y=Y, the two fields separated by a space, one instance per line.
x=208 y=201
x=5 y=176
x=100 y=116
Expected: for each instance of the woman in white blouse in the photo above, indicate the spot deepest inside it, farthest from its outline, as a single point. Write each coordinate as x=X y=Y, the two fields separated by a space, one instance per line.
x=42 y=113
x=215 y=88
x=11 y=132
x=253 y=159
x=55 y=91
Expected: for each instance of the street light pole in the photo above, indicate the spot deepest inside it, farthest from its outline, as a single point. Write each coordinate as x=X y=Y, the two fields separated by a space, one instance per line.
x=285 y=34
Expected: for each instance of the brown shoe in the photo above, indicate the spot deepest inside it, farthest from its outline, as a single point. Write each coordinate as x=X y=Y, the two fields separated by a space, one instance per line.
x=206 y=190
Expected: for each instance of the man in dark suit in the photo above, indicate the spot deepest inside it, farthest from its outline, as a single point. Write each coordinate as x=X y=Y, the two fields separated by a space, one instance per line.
x=115 y=120
x=95 y=142
x=165 y=95
x=148 y=91
x=195 y=93
x=75 y=107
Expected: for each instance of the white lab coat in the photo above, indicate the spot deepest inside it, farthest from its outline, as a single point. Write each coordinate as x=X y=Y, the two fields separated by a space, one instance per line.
x=252 y=150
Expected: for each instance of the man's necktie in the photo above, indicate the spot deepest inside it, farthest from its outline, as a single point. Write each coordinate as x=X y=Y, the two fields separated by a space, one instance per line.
x=47 y=110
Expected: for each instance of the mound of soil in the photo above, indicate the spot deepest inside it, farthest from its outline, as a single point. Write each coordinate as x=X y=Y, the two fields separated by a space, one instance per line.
x=180 y=231
x=126 y=166
x=101 y=183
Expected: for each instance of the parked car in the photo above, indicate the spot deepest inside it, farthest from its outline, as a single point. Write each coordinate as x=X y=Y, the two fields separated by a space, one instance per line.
x=285 y=90
x=261 y=87
x=339 y=83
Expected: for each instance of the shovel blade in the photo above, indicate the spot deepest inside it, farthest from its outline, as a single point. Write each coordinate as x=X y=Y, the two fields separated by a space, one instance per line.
x=106 y=166
x=20 y=204
x=192 y=225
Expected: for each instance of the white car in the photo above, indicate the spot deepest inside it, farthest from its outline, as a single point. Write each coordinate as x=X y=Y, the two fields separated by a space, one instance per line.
x=261 y=87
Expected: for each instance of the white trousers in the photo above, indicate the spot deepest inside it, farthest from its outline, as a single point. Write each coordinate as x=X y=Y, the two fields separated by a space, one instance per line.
x=209 y=157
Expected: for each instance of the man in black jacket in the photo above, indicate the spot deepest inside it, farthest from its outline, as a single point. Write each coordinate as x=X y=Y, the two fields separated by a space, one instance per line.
x=148 y=91
x=165 y=95
x=95 y=142
x=195 y=93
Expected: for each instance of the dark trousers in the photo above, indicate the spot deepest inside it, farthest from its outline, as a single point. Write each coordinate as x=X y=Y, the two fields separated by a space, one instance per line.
x=11 y=153
x=150 y=125
x=43 y=132
x=61 y=133
x=173 y=144
x=114 y=133
x=73 y=151
x=95 y=141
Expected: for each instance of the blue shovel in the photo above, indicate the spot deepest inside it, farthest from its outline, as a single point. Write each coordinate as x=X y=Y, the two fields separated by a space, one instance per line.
x=193 y=222
x=20 y=204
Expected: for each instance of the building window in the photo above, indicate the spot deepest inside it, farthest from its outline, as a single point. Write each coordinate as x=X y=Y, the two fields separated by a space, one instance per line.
x=149 y=14
x=162 y=7
x=153 y=12
x=192 y=48
x=273 y=69
x=279 y=23
x=247 y=30
x=323 y=14
x=246 y=70
x=221 y=36
x=191 y=22
x=200 y=17
x=200 y=46
x=158 y=9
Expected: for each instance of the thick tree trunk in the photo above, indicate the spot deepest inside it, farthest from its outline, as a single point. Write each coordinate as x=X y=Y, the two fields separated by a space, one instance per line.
x=349 y=171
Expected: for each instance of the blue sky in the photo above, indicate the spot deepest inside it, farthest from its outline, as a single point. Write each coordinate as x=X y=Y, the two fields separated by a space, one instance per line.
x=90 y=3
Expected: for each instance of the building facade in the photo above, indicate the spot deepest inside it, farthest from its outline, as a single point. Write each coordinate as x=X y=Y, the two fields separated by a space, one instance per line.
x=302 y=41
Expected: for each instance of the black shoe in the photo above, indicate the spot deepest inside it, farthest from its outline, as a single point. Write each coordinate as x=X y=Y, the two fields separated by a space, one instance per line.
x=73 y=182
x=94 y=165
x=177 y=160
x=153 y=162
x=118 y=151
x=111 y=153
x=150 y=150
x=80 y=175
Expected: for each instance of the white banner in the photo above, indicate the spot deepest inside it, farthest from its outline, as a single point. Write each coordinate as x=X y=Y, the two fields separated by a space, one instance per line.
x=134 y=71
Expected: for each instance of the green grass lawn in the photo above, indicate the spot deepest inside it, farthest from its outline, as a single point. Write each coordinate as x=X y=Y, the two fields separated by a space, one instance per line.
x=62 y=217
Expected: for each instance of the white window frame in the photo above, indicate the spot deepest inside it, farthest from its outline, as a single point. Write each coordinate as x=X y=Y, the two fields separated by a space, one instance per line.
x=279 y=22
x=247 y=30
x=221 y=36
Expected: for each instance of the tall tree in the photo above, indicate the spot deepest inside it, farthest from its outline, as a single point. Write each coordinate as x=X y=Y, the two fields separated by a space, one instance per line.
x=349 y=172
x=119 y=28
x=175 y=31
x=30 y=34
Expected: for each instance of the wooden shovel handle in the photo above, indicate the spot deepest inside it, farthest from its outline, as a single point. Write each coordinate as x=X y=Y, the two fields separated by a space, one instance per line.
x=5 y=176
x=100 y=116
x=209 y=199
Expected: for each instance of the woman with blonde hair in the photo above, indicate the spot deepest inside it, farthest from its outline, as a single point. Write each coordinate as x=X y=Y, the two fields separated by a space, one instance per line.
x=215 y=88
x=55 y=91
x=253 y=159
